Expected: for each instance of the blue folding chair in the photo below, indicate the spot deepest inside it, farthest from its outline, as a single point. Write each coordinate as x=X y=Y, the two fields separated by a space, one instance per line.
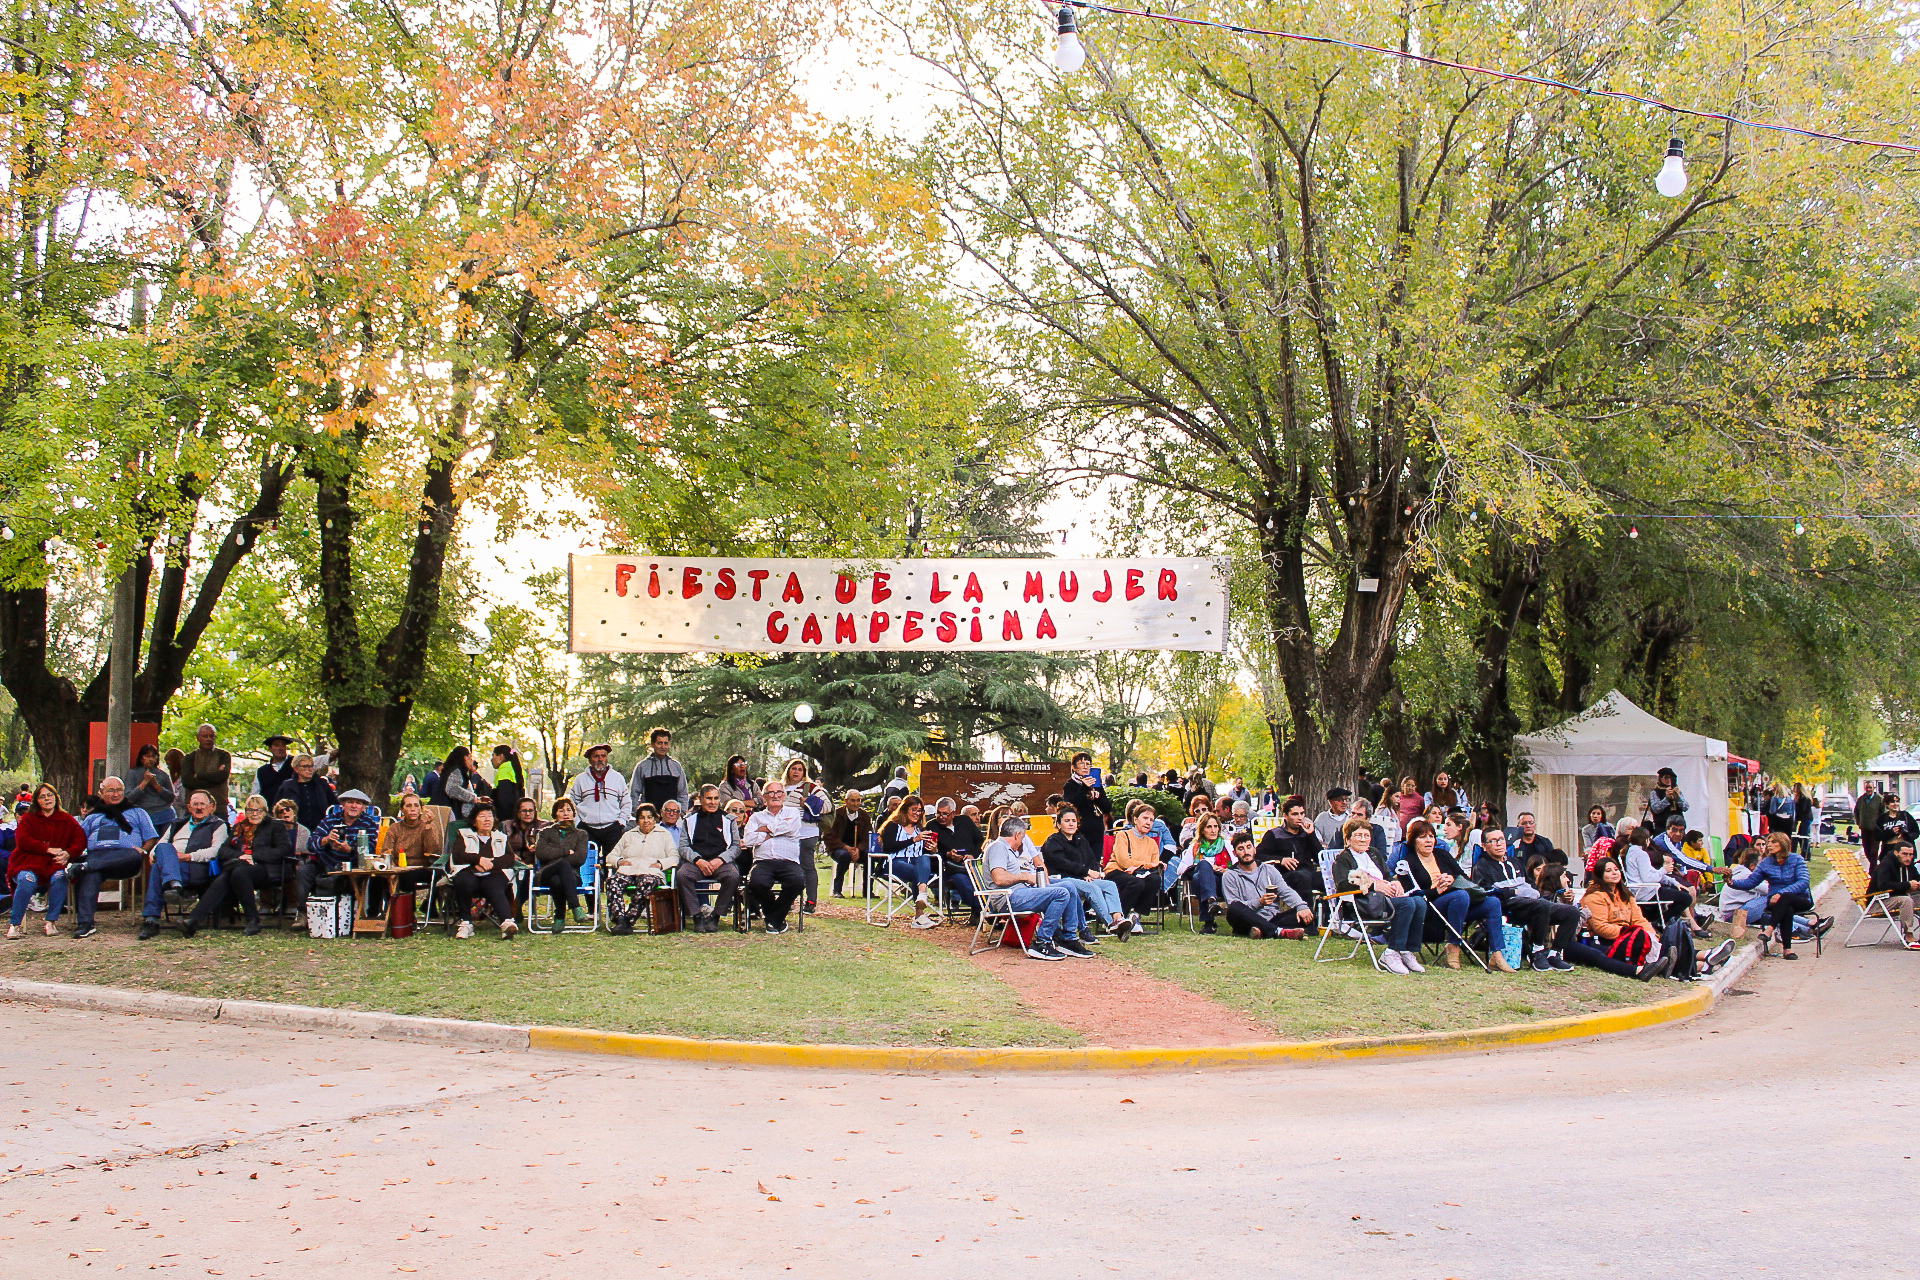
x=590 y=881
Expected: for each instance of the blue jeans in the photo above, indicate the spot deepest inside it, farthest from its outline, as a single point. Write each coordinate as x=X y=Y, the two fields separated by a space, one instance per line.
x=1409 y=924
x=1206 y=881
x=1099 y=898
x=1457 y=906
x=1058 y=907
x=106 y=863
x=960 y=885
x=912 y=869
x=169 y=868
x=27 y=883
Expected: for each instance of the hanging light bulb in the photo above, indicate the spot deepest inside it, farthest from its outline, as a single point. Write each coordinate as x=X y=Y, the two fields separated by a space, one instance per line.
x=1068 y=53
x=1672 y=179
x=1633 y=531
x=1799 y=527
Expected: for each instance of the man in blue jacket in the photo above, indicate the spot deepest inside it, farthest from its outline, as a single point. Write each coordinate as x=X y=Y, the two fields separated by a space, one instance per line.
x=1789 y=889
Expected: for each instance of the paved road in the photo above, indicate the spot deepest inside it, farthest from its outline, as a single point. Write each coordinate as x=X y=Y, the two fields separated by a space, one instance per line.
x=142 y=1143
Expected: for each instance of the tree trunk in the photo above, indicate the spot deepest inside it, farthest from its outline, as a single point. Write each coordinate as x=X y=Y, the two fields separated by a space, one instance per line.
x=370 y=696
x=1488 y=740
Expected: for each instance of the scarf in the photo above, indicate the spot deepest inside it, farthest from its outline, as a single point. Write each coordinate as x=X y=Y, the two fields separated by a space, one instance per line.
x=118 y=812
x=599 y=777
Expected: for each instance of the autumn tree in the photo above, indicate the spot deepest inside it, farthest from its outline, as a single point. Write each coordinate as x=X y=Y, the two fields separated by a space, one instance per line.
x=454 y=217
x=1341 y=300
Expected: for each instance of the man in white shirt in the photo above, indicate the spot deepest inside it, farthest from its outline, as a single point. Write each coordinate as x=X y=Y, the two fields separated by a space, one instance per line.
x=773 y=835
x=601 y=799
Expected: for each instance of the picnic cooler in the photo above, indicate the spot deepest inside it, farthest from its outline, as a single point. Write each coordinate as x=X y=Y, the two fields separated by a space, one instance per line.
x=1021 y=934
x=330 y=917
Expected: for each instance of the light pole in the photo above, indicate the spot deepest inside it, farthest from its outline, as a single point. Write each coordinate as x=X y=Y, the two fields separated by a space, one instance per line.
x=473 y=643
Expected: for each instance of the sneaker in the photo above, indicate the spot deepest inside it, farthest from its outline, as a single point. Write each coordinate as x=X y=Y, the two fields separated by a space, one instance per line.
x=465 y=929
x=1392 y=962
x=85 y=931
x=507 y=928
x=811 y=907
x=1821 y=926
x=1209 y=927
x=1135 y=918
x=777 y=929
x=1658 y=969
x=1542 y=961
x=920 y=898
x=1715 y=958
x=148 y=928
x=1043 y=949
x=925 y=922
x=1293 y=935
x=579 y=915
x=1075 y=948
x=1561 y=964
x=13 y=932
x=1412 y=960
x=1126 y=926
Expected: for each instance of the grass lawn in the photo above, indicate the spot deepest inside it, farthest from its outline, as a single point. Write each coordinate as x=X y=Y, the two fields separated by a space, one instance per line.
x=840 y=983
x=1279 y=985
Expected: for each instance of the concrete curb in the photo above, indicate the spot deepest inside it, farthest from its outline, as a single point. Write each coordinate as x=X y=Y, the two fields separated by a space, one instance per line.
x=376 y=1026
x=858 y=1057
x=852 y=1057
x=291 y=1017
x=153 y=1004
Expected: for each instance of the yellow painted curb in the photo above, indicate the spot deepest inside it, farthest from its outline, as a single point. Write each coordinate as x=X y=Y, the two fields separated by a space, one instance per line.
x=860 y=1057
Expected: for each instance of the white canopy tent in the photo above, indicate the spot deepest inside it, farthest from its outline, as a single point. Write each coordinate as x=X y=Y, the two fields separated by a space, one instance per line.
x=1613 y=740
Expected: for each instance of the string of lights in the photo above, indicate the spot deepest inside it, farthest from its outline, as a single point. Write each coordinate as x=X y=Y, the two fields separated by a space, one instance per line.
x=1070 y=55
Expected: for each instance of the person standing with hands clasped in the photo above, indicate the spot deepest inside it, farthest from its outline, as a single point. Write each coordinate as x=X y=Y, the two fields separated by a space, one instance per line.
x=1084 y=792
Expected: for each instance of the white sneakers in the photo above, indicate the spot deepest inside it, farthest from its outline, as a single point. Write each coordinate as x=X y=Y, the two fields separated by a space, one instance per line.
x=925 y=922
x=920 y=898
x=1412 y=962
x=1392 y=963
x=464 y=929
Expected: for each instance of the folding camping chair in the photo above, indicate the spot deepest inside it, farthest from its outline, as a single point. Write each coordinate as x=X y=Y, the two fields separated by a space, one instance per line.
x=1851 y=864
x=1435 y=939
x=997 y=915
x=745 y=911
x=589 y=889
x=1342 y=916
x=887 y=895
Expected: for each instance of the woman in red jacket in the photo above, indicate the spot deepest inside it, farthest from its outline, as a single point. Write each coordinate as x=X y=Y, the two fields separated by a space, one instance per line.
x=47 y=837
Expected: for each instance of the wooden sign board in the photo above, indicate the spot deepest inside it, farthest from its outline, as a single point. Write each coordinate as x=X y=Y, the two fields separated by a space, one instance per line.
x=992 y=783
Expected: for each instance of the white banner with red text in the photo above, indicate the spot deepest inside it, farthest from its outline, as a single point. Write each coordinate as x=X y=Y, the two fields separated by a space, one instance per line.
x=659 y=604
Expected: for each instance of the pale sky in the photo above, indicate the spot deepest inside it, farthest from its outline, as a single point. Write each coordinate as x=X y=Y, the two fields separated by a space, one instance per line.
x=853 y=81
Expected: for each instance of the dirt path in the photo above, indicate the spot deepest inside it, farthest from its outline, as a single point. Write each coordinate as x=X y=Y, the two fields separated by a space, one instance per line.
x=1110 y=1004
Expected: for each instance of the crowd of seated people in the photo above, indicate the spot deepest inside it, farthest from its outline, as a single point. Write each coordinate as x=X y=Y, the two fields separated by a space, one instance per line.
x=1421 y=868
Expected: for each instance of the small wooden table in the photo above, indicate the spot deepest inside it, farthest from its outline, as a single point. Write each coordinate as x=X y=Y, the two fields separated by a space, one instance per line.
x=380 y=926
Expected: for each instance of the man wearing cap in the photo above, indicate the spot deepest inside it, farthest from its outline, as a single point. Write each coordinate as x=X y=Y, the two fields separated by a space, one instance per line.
x=336 y=839
x=278 y=768
x=1332 y=818
x=601 y=799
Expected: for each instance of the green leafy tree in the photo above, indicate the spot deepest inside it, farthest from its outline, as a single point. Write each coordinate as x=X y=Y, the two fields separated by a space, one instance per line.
x=1336 y=302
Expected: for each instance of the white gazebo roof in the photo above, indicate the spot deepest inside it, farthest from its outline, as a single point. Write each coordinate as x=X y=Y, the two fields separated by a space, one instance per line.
x=1611 y=737
x=1896 y=759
